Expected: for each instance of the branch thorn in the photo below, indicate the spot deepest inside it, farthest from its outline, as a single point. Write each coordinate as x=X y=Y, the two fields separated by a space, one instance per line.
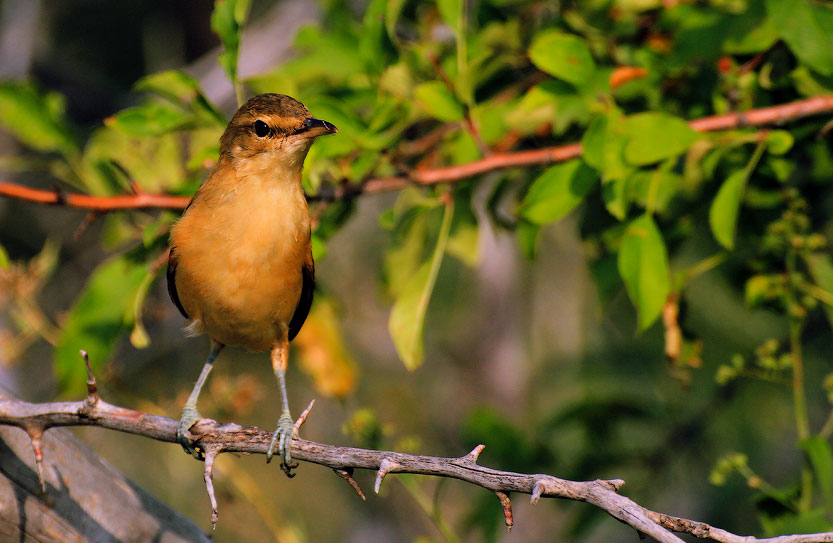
x=506 y=503
x=385 y=466
x=347 y=475
x=474 y=454
x=614 y=484
x=303 y=418
x=537 y=491
x=35 y=434
x=92 y=386
x=211 y=452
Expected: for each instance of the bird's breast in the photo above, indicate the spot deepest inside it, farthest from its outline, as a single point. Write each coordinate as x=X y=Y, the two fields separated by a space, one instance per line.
x=240 y=254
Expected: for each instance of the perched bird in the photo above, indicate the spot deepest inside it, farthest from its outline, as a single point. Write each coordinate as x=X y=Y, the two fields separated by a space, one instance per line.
x=241 y=266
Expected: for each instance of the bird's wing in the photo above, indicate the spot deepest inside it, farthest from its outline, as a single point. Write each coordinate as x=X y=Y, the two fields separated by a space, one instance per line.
x=305 y=301
x=172 y=284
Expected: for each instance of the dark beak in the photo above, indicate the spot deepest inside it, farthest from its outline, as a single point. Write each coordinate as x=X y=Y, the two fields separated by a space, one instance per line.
x=313 y=128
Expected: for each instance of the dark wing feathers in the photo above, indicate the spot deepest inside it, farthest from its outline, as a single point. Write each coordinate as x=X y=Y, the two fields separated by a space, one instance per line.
x=304 y=303
x=172 y=284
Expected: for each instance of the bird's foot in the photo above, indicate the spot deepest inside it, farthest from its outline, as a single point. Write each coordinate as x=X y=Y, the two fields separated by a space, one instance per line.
x=282 y=438
x=189 y=417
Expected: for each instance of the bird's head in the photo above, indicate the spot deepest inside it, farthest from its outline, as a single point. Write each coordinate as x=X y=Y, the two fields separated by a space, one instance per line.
x=275 y=124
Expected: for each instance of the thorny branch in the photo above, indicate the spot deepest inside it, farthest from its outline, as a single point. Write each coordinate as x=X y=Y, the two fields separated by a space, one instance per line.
x=450 y=174
x=215 y=438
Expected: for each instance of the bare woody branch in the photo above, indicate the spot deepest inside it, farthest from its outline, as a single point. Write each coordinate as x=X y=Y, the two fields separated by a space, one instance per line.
x=216 y=438
x=773 y=115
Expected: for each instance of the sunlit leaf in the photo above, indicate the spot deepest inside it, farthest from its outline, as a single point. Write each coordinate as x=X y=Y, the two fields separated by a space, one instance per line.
x=562 y=55
x=407 y=317
x=557 y=192
x=821 y=269
x=616 y=197
x=820 y=455
x=151 y=118
x=526 y=234
x=723 y=214
x=324 y=354
x=464 y=237
x=227 y=22
x=450 y=11
x=374 y=37
x=807 y=522
x=36 y=119
x=139 y=337
x=654 y=136
x=183 y=88
x=643 y=265
x=806 y=26
x=173 y=83
x=405 y=258
x=603 y=146
x=97 y=320
x=392 y=13
x=438 y=101
x=779 y=141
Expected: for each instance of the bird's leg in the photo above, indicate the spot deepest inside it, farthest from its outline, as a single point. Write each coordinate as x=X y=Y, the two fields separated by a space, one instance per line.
x=283 y=433
x=190 y=415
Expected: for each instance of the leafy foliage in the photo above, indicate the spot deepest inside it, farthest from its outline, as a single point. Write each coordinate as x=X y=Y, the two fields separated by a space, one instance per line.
x=420 y=85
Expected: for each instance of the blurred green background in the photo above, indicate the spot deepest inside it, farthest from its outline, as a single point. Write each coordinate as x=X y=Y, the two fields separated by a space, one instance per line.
x=531 y=339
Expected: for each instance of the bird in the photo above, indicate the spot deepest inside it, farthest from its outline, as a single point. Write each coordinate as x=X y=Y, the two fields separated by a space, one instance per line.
x=240 y=265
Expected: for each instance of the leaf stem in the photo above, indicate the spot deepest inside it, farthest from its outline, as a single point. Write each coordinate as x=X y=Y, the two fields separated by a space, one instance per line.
x=429 y=508
x=799 y=398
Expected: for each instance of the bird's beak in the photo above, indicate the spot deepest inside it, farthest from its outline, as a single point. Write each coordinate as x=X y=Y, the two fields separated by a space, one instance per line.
x=312 y=128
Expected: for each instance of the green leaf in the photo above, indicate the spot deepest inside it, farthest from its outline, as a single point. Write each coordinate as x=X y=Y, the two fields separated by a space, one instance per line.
x=643 y=265
x=172 y=83
x=404 y=259
x=779 y=141
x=227 y=22
x=181 y=87
x=373 y=39
x=450 y=11
x=616 y=197
x=557 y=192
x=655 y=136
x=654 y=189
x=603 y=146
x=464 y=237
x=4 y=258
x=97 y=319
x=527 y=235
x=151 y=118
x=807 y=522
x=820 y=456
x=139 y=337
x=438 y=101
x=806 y=26
x=821 y=269
x=562 y=55
x=723 y=214
x=392 y=13
x=407 y=318
x=36 y=120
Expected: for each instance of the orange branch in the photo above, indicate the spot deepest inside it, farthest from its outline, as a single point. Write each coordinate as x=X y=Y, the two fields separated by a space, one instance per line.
x=449 y=174
x=87 y=201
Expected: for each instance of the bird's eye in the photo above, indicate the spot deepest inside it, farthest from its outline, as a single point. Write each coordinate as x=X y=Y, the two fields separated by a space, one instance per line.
x=261 y=128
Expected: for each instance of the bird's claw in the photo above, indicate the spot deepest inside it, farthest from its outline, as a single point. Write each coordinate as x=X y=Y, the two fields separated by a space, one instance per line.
x=283 y=438
x=189 y=417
